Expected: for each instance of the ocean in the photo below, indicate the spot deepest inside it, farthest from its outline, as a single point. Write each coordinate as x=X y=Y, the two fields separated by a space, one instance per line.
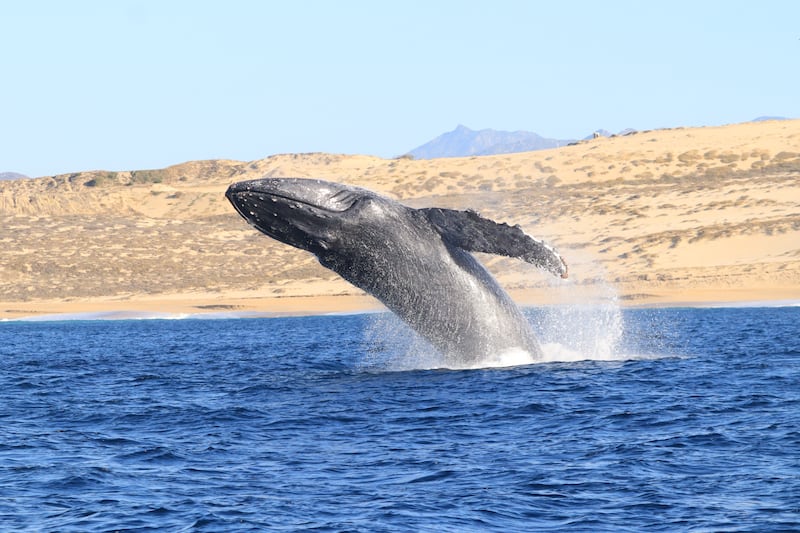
x=646 y=419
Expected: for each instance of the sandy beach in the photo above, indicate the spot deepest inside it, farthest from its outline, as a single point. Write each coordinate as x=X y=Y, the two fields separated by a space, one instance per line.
x=683 y=216
x=182 y=306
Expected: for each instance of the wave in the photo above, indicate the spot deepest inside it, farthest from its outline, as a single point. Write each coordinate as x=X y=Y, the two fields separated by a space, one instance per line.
x=554 y=352
x=137 y=315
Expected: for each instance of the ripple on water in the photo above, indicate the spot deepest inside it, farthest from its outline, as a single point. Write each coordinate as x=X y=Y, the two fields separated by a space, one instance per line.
x=300 y=423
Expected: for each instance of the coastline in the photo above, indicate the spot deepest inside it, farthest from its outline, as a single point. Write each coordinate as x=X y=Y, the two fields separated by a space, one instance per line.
x=664 y=218
x=203 y=306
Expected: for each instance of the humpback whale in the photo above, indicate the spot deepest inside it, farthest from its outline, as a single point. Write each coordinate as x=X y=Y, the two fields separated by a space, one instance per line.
x=417 y=262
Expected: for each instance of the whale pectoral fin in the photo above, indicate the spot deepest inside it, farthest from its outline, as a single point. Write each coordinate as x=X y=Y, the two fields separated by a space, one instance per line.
x=474 y=233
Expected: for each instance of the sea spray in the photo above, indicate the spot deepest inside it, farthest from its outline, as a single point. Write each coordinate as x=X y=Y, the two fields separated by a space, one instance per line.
x=567 y=332
x=582 y=331
x=585 y=324
x=390 y=344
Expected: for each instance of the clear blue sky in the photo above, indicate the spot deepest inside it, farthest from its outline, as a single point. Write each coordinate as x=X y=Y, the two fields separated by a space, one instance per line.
x=122 y=85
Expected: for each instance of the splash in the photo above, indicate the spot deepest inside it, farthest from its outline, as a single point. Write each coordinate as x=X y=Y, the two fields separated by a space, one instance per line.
x=505 y=359
x=391 y=345
x=590 y=330
x=576 y=332
x=568 y=333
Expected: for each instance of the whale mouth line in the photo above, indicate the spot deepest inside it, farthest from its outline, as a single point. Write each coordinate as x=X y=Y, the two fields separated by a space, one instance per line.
x=239 y=198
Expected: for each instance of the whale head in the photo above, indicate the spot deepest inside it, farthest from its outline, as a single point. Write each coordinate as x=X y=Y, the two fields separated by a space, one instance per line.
x=309 y=214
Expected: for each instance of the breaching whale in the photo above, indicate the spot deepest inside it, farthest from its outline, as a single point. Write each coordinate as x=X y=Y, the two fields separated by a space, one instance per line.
x=417 y=262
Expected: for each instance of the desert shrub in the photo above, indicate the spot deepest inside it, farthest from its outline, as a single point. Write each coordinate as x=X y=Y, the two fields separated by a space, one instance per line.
x=431 y=183
x=784 y=166
x=147 y=176
x=101 y=178
x=544 y=169
x=719 y=172
x=729 y=157
x=690 y=157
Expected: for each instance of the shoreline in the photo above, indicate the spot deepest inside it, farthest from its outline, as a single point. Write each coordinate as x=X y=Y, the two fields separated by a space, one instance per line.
x=672 y=217
x=205 y=307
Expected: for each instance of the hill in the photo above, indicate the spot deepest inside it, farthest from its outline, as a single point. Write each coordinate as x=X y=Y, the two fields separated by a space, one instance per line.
x=463 y=141
x=677 y=215
x=11 y=176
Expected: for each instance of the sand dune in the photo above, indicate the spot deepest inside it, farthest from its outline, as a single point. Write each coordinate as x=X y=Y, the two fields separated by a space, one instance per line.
x=681 y=215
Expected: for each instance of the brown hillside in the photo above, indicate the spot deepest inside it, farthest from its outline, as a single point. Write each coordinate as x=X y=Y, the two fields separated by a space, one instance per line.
x=675 y=215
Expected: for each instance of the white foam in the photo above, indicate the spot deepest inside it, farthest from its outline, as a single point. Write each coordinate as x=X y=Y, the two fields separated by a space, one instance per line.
x=506 y=359
x=101 y=315
x=553 y=352
x=559 y=353
x=135 y=315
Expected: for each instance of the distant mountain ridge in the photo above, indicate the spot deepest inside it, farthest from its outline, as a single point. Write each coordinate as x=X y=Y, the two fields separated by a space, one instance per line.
x=768 y=117
x=464 y=141
x=12 y=176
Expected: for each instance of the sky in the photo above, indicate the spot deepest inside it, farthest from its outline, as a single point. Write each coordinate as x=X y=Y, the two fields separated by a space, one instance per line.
x=124 y=85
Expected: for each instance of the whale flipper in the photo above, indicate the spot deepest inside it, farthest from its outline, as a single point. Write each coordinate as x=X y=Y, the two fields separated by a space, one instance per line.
x=471 y=232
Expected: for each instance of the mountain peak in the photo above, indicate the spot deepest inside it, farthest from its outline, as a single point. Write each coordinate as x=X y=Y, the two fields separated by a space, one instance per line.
x=12 y=176
x=768 y=117
x=463 y=141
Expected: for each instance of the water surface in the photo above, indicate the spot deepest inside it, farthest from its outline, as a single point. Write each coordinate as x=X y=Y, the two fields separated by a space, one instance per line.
x=673 y=419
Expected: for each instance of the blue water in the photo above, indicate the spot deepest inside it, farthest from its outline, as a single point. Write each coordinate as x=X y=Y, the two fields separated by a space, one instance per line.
x=688 y=420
